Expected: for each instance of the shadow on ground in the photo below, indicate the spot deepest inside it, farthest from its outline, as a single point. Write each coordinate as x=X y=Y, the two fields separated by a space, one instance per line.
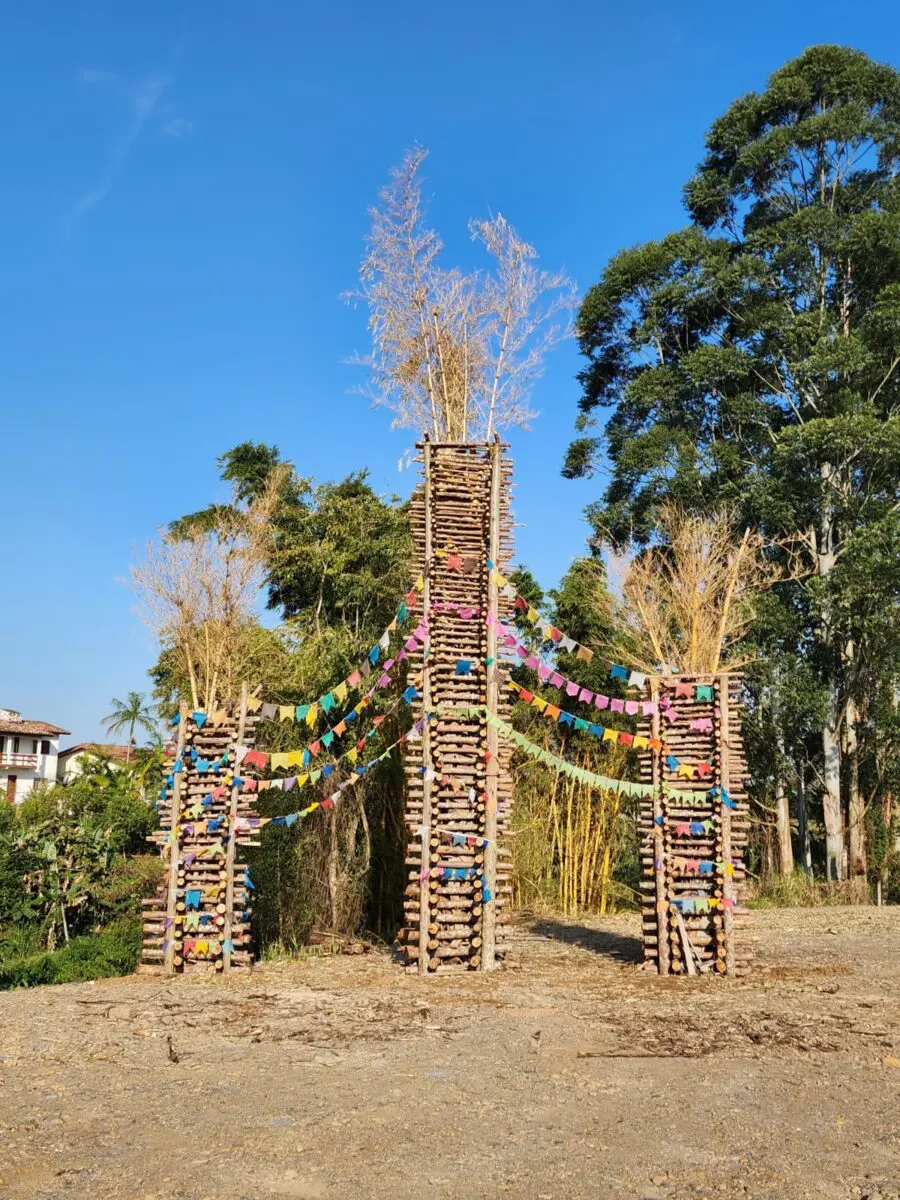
x=616 y=946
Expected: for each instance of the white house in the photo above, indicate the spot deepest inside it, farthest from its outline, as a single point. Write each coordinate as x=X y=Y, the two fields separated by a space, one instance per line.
x=28 y=753
x=72 y=759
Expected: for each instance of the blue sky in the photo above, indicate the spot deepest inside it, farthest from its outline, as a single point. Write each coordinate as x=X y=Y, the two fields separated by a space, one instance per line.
x=184 y=198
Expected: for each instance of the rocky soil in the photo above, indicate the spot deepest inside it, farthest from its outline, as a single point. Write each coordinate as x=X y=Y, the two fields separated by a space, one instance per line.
x=569 y=1074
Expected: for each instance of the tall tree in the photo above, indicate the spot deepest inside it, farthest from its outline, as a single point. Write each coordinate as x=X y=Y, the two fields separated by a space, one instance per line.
x=752 y=358
x=131 y=713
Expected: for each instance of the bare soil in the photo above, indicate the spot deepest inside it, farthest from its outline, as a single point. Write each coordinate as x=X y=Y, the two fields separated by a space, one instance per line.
x=571 y=1073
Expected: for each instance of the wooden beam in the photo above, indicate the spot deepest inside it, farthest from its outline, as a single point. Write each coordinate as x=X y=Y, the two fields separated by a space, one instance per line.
x=174 y=823
x=424 y=889
x=725 y=819
x=230 y=851
x=492 y=687
x=659 y=874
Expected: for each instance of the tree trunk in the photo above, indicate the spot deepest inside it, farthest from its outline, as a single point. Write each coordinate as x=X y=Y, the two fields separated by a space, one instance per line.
x=783 y=826
x=831 y=733
x=856 y=807
x=803 y=843
x=831 y=798
x=783 y=814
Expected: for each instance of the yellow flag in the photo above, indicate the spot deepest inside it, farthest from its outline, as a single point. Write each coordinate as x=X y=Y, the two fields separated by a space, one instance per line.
x=539 y=704
x=532 y=614
x=254 y=704
x=640 y=742
x=279 y=760
x=295 y=758
x=286 y=712
x=340 y=692
x=302 y=780
x=420 y=584
x=610 y=735
x=351 y=755
x=313 y=715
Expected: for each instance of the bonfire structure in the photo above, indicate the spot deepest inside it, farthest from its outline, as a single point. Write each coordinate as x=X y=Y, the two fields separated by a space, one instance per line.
x=199 y=921
x=453 y=671
x=694 y=841
x=458 y=782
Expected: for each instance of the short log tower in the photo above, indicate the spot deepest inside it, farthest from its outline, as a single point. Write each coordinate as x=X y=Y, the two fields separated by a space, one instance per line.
x=199 y=921
x=692 y=851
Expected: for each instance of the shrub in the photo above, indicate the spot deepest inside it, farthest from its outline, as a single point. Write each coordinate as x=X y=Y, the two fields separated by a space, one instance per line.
x=115 y=950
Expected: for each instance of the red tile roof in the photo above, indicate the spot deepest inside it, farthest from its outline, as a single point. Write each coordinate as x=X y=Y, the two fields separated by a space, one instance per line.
x=95 y=748
x=30 y=728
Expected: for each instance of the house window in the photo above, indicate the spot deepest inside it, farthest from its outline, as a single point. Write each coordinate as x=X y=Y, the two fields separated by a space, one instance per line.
x=34 y=746
x=45 y=746
x=15 y=748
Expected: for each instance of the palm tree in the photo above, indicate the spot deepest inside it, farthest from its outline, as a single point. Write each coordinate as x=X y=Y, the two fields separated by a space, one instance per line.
x=128 y=714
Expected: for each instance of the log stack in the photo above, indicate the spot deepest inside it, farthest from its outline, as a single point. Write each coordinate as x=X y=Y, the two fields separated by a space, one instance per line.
x=199 y=921
x=458 y=777
x=692 y=849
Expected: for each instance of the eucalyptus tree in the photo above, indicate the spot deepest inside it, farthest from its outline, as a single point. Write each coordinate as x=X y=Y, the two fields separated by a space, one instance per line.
x=752 y=359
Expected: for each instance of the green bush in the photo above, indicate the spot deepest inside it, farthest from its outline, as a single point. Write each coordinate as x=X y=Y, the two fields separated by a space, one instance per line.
x=115 y=950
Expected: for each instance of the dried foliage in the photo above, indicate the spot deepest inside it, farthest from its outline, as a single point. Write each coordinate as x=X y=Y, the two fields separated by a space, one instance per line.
x=198 y=591
x=688 y=601
x=454 y=354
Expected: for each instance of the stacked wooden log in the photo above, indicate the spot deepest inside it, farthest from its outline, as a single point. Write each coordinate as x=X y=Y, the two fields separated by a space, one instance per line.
x=459 y=787
x=693 y=848
x=199 y=921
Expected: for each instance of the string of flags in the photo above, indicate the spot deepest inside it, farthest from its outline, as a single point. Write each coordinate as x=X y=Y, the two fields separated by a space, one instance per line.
x=454 y=837
x=560 y=640
x=561 y=716
x=626 y=786
x=554 y=678
x=636 y=741
x=700 y=866
x=245 y=824
x=283 y=760
x=309 y=713
x=698 y=904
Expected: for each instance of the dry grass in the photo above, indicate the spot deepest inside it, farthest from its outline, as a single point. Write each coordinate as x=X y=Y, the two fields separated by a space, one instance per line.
x=690 y=599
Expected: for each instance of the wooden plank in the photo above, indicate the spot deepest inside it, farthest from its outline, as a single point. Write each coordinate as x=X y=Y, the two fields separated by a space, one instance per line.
x=662 y=923
x=492 y=687
x=687 y=950
x=424 y=890
x=725 y=818
x=174 y=852
x=230 y=850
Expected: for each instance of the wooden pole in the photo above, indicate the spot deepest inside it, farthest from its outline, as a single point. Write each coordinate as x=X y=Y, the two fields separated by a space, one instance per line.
x=227 y=946
x=424 y=889
x=659 y=874
x=725 y=819
x=492 y=689
x=172 y=895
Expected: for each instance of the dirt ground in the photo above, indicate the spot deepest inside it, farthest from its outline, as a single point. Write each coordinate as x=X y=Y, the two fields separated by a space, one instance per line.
x=569 y=1074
